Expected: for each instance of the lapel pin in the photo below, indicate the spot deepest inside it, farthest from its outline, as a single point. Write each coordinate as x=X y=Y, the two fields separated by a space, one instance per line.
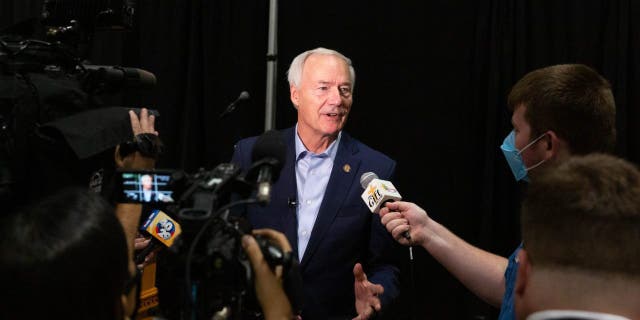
x=346 y=168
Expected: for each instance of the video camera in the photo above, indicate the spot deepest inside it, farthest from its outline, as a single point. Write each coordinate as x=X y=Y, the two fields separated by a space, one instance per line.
x=206 y=268
x=56 y=128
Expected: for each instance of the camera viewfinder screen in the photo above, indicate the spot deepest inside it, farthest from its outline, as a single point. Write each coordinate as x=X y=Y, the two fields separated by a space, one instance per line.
x=146 y=187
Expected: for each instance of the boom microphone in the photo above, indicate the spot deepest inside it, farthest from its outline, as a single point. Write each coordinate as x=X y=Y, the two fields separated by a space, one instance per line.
x=377 y=192
x=163 y=230
x=118 y=76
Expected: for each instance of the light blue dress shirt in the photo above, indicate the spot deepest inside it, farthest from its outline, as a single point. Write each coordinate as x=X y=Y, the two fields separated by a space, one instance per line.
x=312 y=176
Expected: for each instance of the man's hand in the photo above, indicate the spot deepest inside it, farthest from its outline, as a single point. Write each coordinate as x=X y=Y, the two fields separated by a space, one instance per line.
x=144 y=124
x=400 y=216
x=271 y=295
x=140 y=243
x=367 y=301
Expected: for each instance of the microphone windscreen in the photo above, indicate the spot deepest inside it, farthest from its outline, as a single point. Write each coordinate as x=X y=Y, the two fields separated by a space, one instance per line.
x=243 y=96
x=146 y=78
x=366 y=178
x=270 y=146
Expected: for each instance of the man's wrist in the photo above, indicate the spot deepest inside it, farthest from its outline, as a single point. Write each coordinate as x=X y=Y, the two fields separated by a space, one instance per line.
x=147 y=144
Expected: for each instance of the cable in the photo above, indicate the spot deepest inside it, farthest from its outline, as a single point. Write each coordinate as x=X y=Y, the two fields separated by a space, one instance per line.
x=196 y=239
x=412 y=290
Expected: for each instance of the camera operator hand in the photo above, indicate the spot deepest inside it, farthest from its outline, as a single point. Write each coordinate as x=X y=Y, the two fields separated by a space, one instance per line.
x=145 y=124
x=269 y=290
x=129 y=213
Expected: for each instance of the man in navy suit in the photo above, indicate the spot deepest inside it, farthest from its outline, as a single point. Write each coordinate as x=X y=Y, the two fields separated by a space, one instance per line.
x=316 y=201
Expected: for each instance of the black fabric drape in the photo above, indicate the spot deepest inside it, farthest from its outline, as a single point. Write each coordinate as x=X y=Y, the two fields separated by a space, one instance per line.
x=431 y=88
x=204 y=54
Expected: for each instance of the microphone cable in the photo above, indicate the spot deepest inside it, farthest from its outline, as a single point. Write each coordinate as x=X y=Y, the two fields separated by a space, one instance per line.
x=196 y=239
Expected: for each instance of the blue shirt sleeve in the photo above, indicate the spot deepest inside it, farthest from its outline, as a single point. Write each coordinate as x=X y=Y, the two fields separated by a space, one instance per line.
x=507 y=310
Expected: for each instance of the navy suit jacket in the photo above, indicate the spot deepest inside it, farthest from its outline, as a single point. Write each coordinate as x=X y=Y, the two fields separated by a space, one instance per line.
x=345 y=231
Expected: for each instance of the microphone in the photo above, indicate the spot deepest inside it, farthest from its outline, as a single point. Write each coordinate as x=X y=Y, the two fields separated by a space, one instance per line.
x=232 y=106
x=377 y=192
x=291 y=202
x=117 y=76
x=163 y=230
x=268 y=157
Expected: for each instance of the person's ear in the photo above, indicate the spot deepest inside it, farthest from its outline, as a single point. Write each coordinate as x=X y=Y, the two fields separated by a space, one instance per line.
x=119 y=160
x=294 y=95
x=524 y=273
x=553 y=145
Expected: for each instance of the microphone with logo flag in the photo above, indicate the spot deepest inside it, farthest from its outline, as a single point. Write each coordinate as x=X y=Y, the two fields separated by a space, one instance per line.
x=377 y=192
x=163 y=230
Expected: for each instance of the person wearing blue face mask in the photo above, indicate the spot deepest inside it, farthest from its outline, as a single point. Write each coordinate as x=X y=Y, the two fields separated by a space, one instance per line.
x=514 y=156
x=558 y=111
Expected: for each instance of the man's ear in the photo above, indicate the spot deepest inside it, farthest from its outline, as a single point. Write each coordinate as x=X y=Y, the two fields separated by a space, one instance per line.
x=555 y=146
x=294 y=95
x=119 y=161
x=524 y=273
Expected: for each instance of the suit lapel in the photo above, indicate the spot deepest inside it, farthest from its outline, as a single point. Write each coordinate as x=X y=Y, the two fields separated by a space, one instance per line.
x=337 y=189
x=289 y=220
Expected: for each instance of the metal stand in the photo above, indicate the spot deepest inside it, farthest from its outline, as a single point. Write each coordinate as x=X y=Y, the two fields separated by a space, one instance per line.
x=272 y=67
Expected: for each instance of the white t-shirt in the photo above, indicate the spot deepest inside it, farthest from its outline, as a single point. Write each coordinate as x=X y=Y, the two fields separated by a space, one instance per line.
x=575 y=314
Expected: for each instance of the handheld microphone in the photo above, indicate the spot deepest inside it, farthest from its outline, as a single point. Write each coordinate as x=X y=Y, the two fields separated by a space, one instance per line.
x=377 y=192
x=232 y=106
x=163 y=230
x=268 y=157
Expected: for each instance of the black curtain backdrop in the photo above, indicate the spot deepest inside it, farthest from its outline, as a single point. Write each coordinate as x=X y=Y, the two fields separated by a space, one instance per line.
x=432 y=80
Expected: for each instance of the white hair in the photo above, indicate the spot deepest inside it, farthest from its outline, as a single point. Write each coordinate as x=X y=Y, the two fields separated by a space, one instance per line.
x=294 y=75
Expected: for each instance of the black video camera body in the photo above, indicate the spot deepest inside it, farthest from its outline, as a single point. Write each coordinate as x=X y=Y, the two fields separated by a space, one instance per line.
x=206 y=269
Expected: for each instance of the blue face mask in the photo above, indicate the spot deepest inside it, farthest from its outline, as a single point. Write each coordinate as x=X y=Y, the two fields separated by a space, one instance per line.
x=514 y=156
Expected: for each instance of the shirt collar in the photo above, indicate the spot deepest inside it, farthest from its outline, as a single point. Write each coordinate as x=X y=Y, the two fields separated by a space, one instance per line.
x=562 y=314
x=331 y=151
